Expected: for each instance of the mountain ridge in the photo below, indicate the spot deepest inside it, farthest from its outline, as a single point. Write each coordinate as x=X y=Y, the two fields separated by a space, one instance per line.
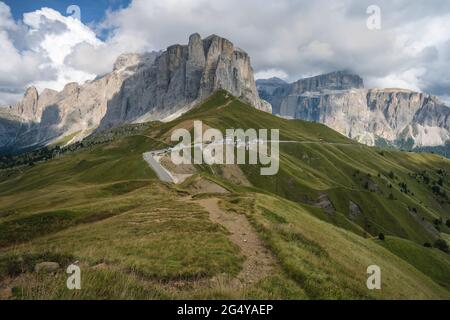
x=103 y=206
x=164 y=85
x=141 y=87
x=399 y=117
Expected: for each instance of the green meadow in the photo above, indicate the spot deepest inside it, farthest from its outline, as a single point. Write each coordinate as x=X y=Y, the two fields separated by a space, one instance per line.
x=101 y=206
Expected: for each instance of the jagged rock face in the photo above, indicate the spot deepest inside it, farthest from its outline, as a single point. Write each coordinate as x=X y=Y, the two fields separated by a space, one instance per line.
x=273 y=90
x=9 y=127
x=28 y=107
x=141 y=87
x=76 y=110
x=399 y=117
x=339 y=80
x=180 y=78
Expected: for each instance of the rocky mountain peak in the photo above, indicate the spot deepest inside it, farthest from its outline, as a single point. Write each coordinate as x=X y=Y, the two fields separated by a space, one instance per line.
x=31 y=92
x=217 y=45
x=126 y=60
x=195 y=38
x=71 y=88
x=28 y=107
x=273 y=80
x=141 y=87
x=183 y=76
x=398 y=117
x=339 y=80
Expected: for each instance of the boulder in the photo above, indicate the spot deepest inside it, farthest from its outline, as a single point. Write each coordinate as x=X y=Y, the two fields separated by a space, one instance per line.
x=46 y=267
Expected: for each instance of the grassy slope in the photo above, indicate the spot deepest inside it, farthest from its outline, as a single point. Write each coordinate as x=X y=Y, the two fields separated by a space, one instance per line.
x=327 y=162
x=330 y=263
x=432 y=262
x=104 y=205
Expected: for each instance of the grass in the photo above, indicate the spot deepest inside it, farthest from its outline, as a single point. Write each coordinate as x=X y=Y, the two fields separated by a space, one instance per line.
x=430 y=261
x=326 y=162
x=148 y=235
x=65 y=140
x=138 y=238
x=329 y=262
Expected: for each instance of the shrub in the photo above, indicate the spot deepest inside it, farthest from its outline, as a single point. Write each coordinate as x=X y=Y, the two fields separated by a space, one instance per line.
x=436 y=189
x=441 y=245
x=403 y=187
x=381 y=236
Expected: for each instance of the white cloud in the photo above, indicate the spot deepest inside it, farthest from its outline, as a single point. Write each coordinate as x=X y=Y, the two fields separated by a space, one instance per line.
x=6 y=22
x=58 y=43
x=58 y=36
x=16 y=67
x=47 y=39
x=271 y=73
x=301 y=37
x=410 y=79
x=285 y=38
x=92 y=59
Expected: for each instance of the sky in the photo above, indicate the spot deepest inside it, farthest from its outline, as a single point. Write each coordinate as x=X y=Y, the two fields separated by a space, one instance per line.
x=390 y=43
x=94 y=11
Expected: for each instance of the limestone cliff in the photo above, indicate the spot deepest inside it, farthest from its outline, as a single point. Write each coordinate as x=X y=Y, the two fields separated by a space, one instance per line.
x=180 y=78
x=396 y=117
x=141 y=87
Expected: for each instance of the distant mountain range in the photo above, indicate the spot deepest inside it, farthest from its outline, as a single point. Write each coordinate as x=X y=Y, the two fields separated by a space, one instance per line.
x=142 y=87
x=164 y=85
x=384 y=117
x=310 y=231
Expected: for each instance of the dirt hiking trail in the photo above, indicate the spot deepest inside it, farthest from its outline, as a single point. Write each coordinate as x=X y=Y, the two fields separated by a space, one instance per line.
x=259 y=261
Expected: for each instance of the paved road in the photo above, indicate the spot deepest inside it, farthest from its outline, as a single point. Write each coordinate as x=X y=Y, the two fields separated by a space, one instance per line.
x=162 y=173
x=165 y=175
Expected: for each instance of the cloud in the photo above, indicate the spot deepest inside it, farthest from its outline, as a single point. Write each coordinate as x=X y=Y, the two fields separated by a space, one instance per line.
x=16 y=67
x=285 y=38
x=57 y=36
x=33 y=51
x=271 y=73
x=6 y=21
x=410 y=79
x=303 y=38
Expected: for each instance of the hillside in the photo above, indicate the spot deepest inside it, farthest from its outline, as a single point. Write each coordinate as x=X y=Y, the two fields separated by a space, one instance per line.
x=309 y=232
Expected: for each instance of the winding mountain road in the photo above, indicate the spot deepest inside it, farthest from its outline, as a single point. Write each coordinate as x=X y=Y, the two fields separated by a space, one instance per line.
x=163 y=174
x=166 y=176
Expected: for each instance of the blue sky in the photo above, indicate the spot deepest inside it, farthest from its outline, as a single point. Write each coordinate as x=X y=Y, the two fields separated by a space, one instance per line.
x=92 y=11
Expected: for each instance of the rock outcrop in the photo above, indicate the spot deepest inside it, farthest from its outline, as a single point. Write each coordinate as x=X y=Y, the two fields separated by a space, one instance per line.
x=76 y=111
x=273 y=90
x=396 y=117
x=340 y=80
x=180 y=78
x=46 y=267
x=141 y=87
